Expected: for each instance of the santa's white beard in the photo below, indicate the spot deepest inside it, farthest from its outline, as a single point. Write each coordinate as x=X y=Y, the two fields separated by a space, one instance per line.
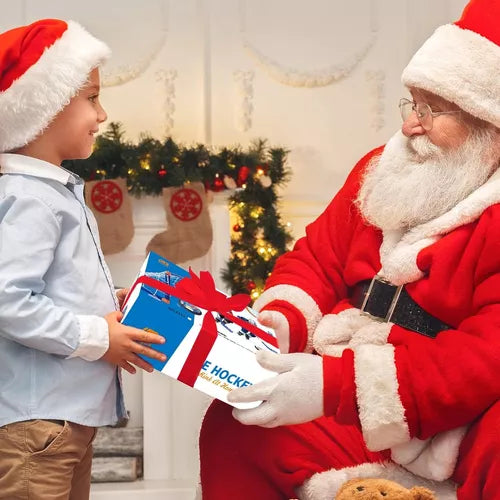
x=414 y=181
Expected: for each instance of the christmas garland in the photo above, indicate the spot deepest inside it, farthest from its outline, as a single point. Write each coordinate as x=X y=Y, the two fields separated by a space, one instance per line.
x=258 y=235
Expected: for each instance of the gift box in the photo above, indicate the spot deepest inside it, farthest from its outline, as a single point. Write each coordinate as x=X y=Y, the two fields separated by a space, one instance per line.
x=210 y=338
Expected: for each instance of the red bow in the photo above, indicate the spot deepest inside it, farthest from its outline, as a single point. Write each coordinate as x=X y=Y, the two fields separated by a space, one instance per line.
x=201 y=292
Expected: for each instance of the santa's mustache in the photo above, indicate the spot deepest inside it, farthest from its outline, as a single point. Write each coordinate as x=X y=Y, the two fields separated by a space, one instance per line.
x=414 y=181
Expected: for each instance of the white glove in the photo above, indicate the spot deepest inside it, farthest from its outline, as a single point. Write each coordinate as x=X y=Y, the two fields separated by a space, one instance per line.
x=293 y=396
x=278 y=322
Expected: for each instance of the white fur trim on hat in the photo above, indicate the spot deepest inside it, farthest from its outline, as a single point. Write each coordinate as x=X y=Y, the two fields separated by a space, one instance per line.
x=325 y=485
x=299 y=299
x=435 y=458
x=32 y=101
x=460 y=66
x=381 y=411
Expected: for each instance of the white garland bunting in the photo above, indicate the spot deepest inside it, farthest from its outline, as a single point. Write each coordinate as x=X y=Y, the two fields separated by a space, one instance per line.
x=314 y=78
x=376 y=79
x=167 y=77
x=128 y=72
x=244 y=106
x=307 y=78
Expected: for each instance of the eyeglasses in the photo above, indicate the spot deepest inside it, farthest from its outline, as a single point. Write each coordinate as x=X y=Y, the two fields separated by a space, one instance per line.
x=424 y=113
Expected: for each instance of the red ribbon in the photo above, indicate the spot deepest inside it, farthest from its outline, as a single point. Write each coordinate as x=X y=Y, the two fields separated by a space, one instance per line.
x=201 y=292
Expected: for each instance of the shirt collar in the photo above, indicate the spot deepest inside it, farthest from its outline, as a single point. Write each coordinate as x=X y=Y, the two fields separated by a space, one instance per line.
x=11 y=163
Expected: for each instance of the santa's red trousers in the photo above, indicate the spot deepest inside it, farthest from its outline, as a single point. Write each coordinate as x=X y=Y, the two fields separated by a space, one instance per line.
x=247 y=462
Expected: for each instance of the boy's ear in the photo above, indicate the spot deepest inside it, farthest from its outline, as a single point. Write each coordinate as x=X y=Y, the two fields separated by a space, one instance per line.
x=420 y=493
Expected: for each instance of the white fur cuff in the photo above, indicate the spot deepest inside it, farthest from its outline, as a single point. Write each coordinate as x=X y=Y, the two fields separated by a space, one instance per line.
x=381 y=411
x=299 y=299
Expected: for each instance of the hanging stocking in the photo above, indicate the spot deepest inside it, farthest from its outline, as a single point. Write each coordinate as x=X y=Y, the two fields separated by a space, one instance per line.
x=110 y=204
x=189 y=229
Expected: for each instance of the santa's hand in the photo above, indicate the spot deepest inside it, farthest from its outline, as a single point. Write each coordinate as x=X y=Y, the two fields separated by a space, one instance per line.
x=278 y=322
x=293 y=396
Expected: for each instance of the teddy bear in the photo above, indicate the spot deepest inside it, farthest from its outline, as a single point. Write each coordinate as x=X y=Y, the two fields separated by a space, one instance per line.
x=381 y=489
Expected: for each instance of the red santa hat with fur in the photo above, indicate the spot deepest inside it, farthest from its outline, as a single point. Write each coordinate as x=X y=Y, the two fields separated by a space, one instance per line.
x=42 y=66
x=460 y=62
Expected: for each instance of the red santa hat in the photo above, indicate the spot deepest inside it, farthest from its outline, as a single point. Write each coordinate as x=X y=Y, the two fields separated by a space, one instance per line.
x=42 y=66
x=460 y=62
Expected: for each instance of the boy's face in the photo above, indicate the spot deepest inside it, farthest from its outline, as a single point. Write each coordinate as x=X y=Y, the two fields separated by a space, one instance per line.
x=71 y=133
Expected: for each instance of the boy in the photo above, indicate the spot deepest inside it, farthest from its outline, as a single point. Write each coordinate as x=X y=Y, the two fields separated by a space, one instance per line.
x=60 y=345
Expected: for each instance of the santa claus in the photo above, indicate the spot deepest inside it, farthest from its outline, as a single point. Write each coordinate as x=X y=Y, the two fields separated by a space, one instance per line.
x=388 y=310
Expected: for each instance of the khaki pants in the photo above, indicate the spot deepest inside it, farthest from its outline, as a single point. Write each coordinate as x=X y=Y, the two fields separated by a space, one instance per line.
x=45 y=460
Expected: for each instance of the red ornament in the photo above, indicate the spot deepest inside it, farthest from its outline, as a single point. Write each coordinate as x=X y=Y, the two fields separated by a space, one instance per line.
x=243 y=174
x=218 y=184
x=162 y=172
x=236 y=228
x=106 y=196
x=251 y=286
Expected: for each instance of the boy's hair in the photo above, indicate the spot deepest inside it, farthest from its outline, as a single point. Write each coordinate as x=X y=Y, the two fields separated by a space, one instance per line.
x=42 y=66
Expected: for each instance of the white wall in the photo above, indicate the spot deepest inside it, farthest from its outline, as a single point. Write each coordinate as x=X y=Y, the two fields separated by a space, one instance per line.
x=326 y=128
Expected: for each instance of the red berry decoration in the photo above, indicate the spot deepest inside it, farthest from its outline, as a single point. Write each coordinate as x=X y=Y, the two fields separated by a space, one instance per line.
x=243 y=174
x=236 y=228
x=251 y=286
x=162 y=172
x=218 y=184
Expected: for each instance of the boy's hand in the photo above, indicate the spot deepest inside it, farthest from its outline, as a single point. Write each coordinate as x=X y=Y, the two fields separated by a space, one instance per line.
x=121 y=294
x=125 y=345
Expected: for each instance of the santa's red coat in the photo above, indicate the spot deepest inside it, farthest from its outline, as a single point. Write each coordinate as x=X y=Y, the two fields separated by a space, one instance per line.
x=409 y=393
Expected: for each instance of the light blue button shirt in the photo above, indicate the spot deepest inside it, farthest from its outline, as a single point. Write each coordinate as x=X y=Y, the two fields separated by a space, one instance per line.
x=55 y=289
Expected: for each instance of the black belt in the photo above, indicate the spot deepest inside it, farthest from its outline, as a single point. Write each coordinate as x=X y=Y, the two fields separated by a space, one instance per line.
x=387 y=302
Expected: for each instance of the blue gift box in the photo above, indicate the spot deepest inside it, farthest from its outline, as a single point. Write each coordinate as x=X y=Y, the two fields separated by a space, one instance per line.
x=231 y=362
